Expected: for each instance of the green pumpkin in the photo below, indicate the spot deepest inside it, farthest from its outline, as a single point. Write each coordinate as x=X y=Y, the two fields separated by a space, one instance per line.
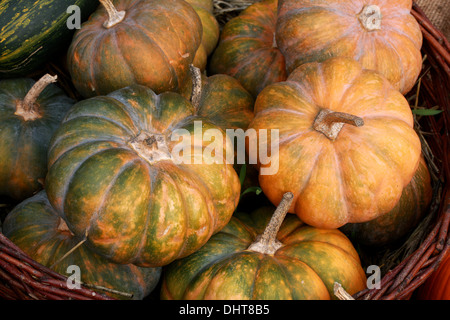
x=392 y=226
x=36 y=228
x=114 y=173
x=33 y=32
x=251 y=259
x=28 y=118
x=220 y=98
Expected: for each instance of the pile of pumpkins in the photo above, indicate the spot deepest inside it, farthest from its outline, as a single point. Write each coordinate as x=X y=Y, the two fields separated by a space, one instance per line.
x=95 y=180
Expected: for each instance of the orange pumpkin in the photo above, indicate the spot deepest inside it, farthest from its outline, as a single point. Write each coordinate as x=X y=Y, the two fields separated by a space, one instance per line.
x=346 y=146
x=381 y=35
x=151 y=43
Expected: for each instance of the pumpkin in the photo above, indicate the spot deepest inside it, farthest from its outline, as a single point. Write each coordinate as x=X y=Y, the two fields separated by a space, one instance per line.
x=346 y=145
x=208 y=5
x=407 y=213
x=210 y=35
x=381 y=35
x=145 y=42
x=253 y=258
x=247 y=49
x=120 y=176
x=437 y=285
x=33 y=32
x=35 y=227
x=220 y=98
x=30 y=113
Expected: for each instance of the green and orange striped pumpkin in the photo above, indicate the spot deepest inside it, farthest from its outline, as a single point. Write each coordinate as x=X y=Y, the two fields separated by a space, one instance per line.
x=30 y=112
x=147 y=42
x=397 y=223
x=33 y=32
x=296 y=261
x=35 y=227
x=116 y=174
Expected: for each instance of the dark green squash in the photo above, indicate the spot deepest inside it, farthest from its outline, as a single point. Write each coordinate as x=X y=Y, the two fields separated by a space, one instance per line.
x=36 y=228
x=33 y=32
x=28 y=118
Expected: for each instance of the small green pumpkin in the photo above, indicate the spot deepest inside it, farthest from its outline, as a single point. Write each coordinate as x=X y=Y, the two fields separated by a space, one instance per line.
x=36 y=228
x=252 y=258
x=30 y=112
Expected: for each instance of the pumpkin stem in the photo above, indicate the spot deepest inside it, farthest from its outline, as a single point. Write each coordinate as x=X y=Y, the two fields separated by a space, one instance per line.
x=340 y=292
x=268 y=243
x=115 y=16
x=370 y=17
x=196 y=92
x=28 y=108
x=330 y=122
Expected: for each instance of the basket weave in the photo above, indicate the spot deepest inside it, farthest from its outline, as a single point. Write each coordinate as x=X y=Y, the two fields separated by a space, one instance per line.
x=22 y=278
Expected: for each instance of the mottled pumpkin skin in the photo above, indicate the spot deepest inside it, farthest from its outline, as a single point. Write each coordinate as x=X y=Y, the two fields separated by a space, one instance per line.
x=33 y=32
x=210 y=35
x=24 y=143
x=310 y=31
x=437 y=285
x=355 y=177
x=36 y=228
x=152 y=46
x=111 y=177
x=405 y=216
x=304 y=268
x=224 y=101
x=247 y=50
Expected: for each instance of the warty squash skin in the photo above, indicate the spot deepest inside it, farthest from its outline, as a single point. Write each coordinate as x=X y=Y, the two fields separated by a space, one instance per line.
x=403 y=218
x=113 y=175
x=25 y=133
x=153 y=45
x=247 y=49
x=347 y=146
x=381 y=35
x=35 y=227
x=305 y=265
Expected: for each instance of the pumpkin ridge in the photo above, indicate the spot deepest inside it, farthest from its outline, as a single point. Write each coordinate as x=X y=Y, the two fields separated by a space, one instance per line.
x=101 y=117
x=158 y=47
x=97 y=213
x=80 y=164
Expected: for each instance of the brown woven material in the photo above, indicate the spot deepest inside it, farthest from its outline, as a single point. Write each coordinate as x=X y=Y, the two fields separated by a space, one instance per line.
x=21 y=278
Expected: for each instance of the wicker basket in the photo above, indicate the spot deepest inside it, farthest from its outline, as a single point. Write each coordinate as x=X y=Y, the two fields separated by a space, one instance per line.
x=21 y=278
